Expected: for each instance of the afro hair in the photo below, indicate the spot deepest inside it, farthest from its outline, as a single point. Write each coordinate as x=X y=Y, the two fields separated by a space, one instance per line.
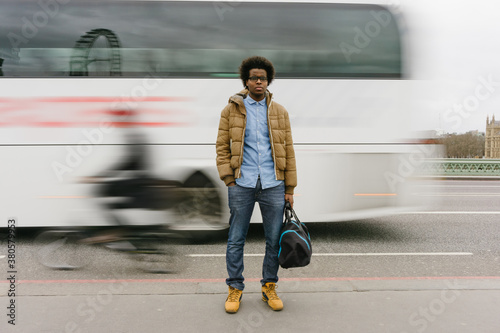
x=256 y=62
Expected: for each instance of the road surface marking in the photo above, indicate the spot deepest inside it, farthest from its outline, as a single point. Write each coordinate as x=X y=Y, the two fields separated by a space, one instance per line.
x=455 y=212
x=221 y=280
x=205 y=255
x=461 y=195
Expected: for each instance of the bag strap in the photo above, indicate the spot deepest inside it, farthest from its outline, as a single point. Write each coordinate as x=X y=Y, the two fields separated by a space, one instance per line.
x=289 y=212
x=288 y=215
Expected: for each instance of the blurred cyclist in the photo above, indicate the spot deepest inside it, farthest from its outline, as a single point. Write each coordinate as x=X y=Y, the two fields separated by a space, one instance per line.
x=129 y=180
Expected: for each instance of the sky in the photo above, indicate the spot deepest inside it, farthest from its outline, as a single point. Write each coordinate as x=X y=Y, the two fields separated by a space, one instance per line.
x=455 y=50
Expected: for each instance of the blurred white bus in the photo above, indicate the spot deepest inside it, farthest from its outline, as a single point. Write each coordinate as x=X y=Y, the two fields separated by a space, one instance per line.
x=66 y=66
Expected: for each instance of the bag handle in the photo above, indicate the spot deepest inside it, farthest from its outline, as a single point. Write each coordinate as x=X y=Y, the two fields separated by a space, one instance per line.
x=289 y=212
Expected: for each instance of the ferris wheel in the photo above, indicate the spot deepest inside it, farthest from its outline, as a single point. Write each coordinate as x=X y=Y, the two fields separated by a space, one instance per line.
x=97 y=53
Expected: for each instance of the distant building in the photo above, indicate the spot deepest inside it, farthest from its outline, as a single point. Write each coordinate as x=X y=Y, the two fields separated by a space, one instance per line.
x=492 y=138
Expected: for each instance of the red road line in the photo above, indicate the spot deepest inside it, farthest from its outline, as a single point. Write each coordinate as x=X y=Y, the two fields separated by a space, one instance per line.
x=258 y=279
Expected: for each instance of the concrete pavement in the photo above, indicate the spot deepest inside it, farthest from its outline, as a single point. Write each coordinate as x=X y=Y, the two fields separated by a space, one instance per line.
x=364 y=305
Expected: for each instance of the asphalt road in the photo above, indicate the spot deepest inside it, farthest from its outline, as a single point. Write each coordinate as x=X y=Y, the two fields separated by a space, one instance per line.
x=432 y=271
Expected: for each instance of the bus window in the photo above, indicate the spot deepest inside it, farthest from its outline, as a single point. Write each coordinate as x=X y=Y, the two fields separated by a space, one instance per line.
x=194 y=39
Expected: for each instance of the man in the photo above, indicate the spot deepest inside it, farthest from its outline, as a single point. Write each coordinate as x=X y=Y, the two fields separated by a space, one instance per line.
x=256 y=160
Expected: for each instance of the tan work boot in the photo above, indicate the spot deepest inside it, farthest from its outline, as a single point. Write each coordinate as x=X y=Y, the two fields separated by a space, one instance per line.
x=269 y=295
x=233 y=300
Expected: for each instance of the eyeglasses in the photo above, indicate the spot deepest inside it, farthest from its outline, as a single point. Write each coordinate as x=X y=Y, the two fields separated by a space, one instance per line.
x=256 y=78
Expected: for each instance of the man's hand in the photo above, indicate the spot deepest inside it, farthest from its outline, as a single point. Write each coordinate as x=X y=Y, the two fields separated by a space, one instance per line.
x=289 y=198
x=231 y=184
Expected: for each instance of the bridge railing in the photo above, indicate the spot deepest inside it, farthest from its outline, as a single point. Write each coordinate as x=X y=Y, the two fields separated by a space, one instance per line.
x=448 y=167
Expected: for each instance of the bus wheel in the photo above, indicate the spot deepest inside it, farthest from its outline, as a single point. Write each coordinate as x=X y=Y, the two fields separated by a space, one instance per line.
x=201 y=205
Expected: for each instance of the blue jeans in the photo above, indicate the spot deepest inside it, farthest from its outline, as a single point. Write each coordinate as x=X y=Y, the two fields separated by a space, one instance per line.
x=241 y=204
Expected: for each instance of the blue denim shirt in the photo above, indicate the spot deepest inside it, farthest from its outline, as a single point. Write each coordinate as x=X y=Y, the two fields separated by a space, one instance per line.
x=257 y=154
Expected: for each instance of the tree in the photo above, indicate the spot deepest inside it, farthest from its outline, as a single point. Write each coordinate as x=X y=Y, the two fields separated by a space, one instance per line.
x=467 y=145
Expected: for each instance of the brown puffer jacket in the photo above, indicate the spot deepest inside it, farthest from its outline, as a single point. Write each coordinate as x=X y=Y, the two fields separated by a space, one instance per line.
x=230 y=141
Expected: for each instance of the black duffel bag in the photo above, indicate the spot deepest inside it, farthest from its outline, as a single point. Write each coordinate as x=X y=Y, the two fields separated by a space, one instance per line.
x=295 y=241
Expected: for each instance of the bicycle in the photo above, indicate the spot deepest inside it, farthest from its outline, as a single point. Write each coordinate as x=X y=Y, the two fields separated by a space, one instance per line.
x=153 y=250
x=153 y=247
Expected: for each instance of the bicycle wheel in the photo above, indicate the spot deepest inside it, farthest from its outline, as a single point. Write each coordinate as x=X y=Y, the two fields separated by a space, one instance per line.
x=62 y=250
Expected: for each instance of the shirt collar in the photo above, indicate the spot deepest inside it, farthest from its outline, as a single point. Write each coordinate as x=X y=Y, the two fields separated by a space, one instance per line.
x=251 y=101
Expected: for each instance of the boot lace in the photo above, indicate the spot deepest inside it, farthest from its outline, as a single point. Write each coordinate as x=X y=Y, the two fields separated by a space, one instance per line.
x=271 y=292
x=234 y=295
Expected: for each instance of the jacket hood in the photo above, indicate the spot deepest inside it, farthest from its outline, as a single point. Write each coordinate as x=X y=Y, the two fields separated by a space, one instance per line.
x=240 y=96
